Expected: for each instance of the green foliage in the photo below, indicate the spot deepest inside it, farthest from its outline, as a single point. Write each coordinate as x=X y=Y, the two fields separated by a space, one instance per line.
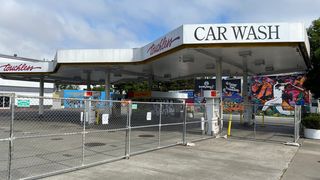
x=68 y=86
x=133 y=86
x=98 y=88
x=311 y=121
x=156 y=86
x=313 y=76
x=174 y=85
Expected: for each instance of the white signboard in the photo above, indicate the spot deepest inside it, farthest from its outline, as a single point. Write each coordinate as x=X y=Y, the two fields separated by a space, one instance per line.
x=25 y=67
x=148 y=116
x=242 y=33
x=226 y=33
x=105 y=118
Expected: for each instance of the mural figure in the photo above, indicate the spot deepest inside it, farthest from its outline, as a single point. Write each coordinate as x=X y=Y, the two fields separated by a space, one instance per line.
x=278 y=95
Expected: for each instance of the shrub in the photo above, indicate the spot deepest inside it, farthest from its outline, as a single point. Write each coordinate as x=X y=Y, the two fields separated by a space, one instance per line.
x=311 y=121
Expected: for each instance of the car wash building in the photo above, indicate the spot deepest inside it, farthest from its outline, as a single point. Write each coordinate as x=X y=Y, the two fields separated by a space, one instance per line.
x=90 y=131
x=189 y=51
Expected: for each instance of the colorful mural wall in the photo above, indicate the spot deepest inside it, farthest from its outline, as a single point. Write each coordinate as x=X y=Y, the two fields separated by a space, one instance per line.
x=275 y=95
x=279 y=94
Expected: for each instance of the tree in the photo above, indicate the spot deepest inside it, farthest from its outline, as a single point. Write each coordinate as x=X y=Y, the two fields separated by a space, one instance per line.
x=98 y=88
x=68 y=86
x=313 y=76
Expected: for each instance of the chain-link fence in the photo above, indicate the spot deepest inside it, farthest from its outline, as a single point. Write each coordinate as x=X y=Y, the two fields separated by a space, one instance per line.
x=41 y=136
x=263 y=122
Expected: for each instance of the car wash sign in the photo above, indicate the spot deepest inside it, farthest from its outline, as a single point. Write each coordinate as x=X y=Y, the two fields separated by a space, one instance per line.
x=237 y=33
x=26 y=67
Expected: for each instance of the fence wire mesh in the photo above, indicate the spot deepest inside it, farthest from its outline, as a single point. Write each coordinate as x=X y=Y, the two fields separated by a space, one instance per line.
x=4 y=150
x=258 y=122
x=67 y=134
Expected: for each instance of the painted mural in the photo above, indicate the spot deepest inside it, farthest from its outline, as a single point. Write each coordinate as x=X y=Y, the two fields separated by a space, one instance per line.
x=278 y=95
x=231 y=94
x=274 y=95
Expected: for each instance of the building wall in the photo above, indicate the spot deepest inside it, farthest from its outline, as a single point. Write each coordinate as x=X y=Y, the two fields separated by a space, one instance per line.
x=27 y=88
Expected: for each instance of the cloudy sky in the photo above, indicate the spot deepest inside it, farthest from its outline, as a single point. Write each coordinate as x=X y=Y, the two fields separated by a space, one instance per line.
x=37 y=28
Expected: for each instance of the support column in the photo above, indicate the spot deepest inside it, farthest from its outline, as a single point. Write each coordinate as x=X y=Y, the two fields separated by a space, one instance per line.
x=150 y=82
x=88 y=80
x=41 y=94
x=219 y=77
x=247 y=113
x=107 y=92
x=219 y=89
x=107 y=85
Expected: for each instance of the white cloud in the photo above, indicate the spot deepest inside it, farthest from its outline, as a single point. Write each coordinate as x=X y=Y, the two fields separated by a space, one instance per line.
x=36 y=28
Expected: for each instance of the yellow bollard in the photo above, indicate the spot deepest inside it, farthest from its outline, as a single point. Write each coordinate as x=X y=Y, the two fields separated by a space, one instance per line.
x=229 y=125
x=97 y=116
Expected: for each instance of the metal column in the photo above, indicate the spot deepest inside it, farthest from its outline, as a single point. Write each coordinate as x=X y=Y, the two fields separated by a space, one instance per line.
x=88 y=80
x=107 y=85
x=219 y=88
x=247 y=107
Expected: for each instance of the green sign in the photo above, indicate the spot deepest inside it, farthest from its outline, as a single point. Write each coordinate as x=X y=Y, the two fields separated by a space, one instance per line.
x=23 y=103
x=134 y=106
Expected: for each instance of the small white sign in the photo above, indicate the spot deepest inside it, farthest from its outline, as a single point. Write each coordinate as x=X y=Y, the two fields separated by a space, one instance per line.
x=148 y=116
x=81 y=116
x=202 y=123
x=105 y=118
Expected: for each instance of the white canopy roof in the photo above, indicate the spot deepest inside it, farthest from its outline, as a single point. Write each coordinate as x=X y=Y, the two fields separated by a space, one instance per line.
x=188 y=51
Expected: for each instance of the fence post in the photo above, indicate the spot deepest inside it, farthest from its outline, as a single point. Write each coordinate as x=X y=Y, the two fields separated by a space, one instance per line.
x=86 y=118
x=184 y=131
x=128 y=131
x=221 y=117
x=297 y=122
x=160 y=111
x=11 y=137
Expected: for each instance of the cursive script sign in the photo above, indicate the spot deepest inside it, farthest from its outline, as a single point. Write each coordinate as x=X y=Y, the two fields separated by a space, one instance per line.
x=17 y=68
x=163 y=44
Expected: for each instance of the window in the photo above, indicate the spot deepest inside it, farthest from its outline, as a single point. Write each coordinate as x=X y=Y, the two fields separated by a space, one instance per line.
x=4 y=102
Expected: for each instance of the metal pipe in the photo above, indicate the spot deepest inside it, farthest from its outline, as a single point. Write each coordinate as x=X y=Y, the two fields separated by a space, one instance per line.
x=159 y=138
x=41 y=94
x=184 y=131
x=129 y=135
x=128 y=132
x=84 y=130
x=73 y=168
x=11 y=137
x=254 y=128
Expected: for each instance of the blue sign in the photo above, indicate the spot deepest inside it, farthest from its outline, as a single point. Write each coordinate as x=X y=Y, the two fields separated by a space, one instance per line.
x=79 y=96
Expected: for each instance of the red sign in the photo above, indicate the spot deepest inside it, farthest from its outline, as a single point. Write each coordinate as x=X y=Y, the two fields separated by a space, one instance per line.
x=142 y=94
x=88 y=94
x=163 y=44
x=213 y=93
x=20 y=67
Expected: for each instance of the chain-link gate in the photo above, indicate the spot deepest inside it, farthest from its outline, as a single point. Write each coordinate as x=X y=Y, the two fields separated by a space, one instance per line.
x=258 y=122
x=42 y=136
